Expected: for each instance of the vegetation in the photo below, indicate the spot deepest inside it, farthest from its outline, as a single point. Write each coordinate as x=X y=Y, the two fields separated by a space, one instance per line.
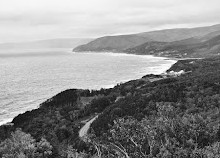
x=22 y=145
x=194 y=42
x=174 y=116
x=204 y=46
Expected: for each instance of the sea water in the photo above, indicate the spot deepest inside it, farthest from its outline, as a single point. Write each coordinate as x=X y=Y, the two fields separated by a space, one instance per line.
x=28 y=79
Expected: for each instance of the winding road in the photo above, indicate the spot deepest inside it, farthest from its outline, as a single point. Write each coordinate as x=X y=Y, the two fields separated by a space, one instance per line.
x=84 y=130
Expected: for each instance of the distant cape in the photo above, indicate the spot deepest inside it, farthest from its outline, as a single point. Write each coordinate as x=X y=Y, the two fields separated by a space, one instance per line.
x=180 y=42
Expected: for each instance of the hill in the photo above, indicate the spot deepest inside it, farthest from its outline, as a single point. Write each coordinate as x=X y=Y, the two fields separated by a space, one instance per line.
x=123 y=42
x=201 y=46
x=174 y=114
x=112 y=43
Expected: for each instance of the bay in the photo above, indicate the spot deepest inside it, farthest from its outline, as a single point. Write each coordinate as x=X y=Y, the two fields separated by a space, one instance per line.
x=28 y=79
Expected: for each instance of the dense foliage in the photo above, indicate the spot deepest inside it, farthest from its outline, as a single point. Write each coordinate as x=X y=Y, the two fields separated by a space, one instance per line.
x=22 y=145
x=172 y=116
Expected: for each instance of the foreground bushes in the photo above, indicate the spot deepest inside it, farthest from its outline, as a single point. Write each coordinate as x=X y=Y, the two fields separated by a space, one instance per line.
x=22 y=145
x=173 y=117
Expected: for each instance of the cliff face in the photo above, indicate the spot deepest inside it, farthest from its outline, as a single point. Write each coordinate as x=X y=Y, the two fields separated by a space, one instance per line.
x=123 y=42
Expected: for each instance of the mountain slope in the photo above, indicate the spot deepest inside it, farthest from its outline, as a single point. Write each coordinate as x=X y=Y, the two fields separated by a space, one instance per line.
x=171 y=35
x=112 y=43
x=123 y=42
x=193 y=47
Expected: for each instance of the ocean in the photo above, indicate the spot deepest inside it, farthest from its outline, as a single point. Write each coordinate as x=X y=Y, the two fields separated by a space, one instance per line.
x=28 y=79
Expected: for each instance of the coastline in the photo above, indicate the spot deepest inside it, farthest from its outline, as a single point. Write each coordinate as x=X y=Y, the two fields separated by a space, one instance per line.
x=125 y=54
x=8 y=121
x=120 y=53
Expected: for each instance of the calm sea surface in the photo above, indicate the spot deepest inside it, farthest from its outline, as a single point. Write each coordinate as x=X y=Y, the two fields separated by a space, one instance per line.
x=26 y=81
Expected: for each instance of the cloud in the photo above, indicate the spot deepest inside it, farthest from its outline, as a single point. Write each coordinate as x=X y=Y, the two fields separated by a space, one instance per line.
x=41 y=19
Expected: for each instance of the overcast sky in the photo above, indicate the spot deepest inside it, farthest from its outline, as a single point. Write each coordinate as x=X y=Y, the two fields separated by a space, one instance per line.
x=24 y=20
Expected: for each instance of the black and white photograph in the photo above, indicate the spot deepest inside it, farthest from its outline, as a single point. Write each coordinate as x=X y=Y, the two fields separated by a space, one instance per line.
x=109 y=79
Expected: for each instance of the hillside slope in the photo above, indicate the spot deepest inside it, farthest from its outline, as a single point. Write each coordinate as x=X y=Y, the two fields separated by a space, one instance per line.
x=123 y=42
x=112 y=43
x=178 y=114
x=203 y=46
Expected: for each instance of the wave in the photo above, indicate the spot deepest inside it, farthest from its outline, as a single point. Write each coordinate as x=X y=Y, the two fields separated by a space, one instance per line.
x=5 y=121
x=118 y=54
x=37 y=79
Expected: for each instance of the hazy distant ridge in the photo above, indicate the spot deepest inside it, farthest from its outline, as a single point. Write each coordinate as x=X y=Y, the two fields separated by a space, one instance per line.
x=50 y=43
x=202 y=46
x=124 y=42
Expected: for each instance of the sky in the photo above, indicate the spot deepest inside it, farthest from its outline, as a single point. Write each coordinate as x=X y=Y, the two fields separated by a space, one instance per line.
x=28 y=20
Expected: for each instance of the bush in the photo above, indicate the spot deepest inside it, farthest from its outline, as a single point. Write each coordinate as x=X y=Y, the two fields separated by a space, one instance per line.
x=22 y=145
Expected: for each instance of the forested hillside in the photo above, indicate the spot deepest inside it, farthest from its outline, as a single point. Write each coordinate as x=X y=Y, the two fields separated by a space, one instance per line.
x=205 y=46
x=122 y=43
x=167 y=115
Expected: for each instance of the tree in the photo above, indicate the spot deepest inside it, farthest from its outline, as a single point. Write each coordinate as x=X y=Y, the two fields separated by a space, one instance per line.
x=126 y=139
x=72 y=153
x=22 y=145
x=99 y=104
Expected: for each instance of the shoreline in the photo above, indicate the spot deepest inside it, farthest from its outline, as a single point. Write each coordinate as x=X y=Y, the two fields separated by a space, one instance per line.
x=125 y=54
x=7 y=122
x=116 y=53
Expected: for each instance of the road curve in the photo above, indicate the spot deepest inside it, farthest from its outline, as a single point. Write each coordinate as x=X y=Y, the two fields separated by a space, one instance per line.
x=84 y=130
